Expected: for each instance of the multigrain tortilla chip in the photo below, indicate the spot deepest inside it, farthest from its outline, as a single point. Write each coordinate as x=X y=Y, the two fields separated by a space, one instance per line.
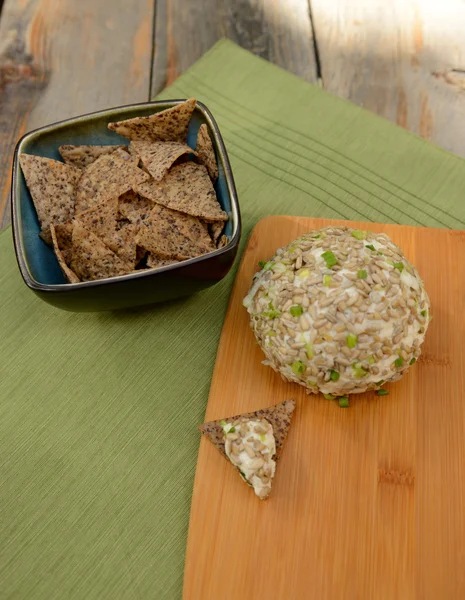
x=52 y=186
x=107 y=177
x=169 y=125
x=279 y=416
x=154 y=261
x=133 y=207
x=205 y=152
x=67 y=272
x=216 y=229
x=157 y=157
x=170 y=234
x=188 y=189
x=102 y=221
x=92 y=259
x=64 y=238
x=83 y=156
x=222 y=242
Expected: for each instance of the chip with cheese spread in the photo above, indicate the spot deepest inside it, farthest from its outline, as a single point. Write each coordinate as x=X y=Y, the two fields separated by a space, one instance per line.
x=253 y=442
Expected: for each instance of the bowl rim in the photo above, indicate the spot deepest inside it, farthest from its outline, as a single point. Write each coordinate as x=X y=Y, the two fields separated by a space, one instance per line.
x=114 y=112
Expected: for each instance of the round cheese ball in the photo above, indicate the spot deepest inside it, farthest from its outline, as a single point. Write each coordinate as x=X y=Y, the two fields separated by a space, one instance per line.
x=339 y=311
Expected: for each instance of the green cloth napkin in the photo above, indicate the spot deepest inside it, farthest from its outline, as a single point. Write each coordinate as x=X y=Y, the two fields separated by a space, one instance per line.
x=98 y=412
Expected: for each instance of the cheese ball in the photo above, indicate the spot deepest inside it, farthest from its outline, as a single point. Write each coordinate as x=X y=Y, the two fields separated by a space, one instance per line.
x=339 y=311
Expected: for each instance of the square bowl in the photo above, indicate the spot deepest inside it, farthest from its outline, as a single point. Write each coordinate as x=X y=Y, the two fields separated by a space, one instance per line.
x=37 y=262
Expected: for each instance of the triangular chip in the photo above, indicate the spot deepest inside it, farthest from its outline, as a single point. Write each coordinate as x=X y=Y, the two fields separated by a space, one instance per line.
x=67 y=272
x=205 y=152
x=170 y=234
x=64 y=239
x=222 y=242
x=157 y=157
x=247 y=441
x=83 y=156
x=92 y=259
x=216 y=229
x=154 y=261
x=52 y=186
x=169 y=125
x=188 y=189
x=107 y=177
x=133 y=207
x=102 y=221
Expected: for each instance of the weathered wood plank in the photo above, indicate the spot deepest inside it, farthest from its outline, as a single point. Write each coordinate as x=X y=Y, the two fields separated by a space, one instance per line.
x=402 y=59
x=60 y=58
x=278 y=30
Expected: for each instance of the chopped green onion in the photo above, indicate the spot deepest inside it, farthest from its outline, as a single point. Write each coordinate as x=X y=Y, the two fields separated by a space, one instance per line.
x=298 y=367
x=359 y=372
x=271 y=333
x=423 y=313
x=399 y=362
x=329 y=258
x=271 y=314
x=399 y=266
x=358 y=234
x=334 y=376
x=232 y=430
x=371 y=360
x=413 y=361
x=370 y=247
x=382 y=392
x=291 y=249
x=262 y=437
x=304 y=273
x=362 y=274
x=296 y=310
x=351 y=340
x=327 y=280
x=344 y=402
x=380 y=383
x=222 y=423
x=316 y=237
x=312 y=383
x=261 y=263
x=309 y=351
x=329 y=397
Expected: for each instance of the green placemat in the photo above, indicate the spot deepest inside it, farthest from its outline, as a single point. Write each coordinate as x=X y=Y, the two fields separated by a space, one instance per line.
x=98 y=439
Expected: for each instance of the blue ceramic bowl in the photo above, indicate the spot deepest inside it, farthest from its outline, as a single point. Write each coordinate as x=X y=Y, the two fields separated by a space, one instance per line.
x=37 y=263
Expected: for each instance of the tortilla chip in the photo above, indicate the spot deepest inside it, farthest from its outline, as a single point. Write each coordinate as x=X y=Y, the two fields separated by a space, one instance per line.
x=157 y=157
x=52 y=186
x=279 y=416
x=188 y=189
x=169 y=125
x=107 y=177
x=102 y=221
x=92 y=259
x=64 y=238
x=170 y=234
x=154 y=261
x=83 y=156
x=222 y=242
x=216 y=229
x=67 y=272
x=133 y=207
x=205 y=152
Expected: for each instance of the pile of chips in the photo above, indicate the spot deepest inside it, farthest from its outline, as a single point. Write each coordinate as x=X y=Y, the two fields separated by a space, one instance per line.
x=112 y=210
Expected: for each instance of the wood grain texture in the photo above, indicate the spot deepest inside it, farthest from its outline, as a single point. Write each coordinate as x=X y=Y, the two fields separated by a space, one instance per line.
x=278 y=30
x=368 y=502
x=60 y=58
x=402 y=59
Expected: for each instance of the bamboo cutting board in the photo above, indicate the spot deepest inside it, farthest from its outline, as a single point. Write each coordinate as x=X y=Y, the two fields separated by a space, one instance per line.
x=368 y=503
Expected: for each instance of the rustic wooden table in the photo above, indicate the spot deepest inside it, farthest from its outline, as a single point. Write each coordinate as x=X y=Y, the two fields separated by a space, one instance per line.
x=402 y=59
